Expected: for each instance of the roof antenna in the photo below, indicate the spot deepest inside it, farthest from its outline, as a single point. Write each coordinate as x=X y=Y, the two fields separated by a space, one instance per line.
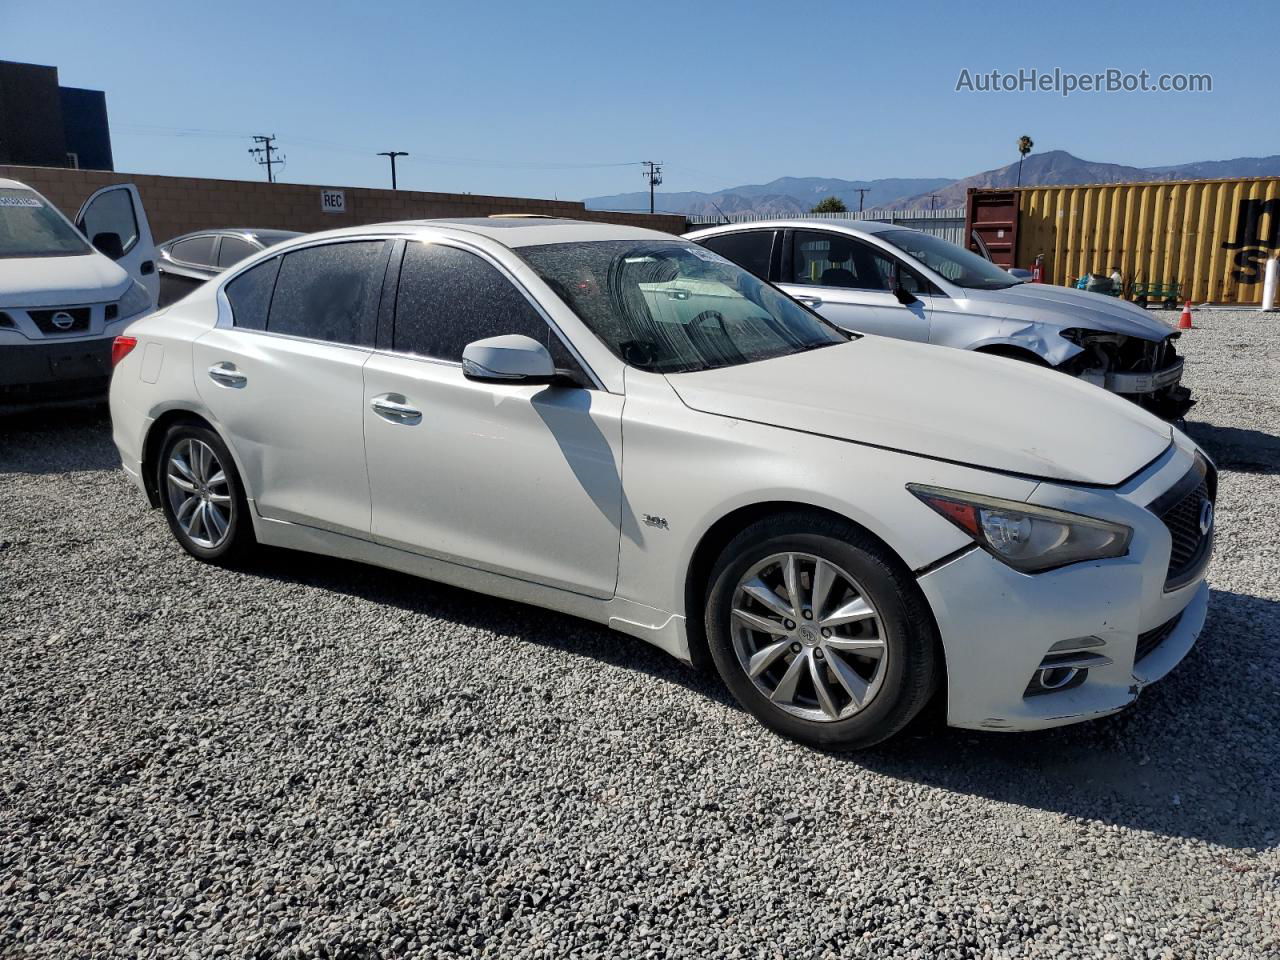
x=719 y=211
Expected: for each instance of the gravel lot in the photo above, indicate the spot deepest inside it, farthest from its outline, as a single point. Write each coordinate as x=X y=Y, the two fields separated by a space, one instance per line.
x=314 y=759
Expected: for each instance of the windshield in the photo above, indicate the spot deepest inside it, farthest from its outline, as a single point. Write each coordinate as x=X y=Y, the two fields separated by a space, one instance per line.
x=954 y=263
x=29 y=227
x=672 y=307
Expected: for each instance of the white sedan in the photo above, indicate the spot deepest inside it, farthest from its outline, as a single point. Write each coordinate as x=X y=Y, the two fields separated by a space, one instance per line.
x=621 y=425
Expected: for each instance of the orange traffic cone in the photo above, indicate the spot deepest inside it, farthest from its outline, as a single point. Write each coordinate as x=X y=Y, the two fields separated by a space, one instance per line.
x=1184 y=322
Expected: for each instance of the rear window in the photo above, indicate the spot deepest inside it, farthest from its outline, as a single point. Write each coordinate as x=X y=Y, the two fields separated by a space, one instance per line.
x=29 y=227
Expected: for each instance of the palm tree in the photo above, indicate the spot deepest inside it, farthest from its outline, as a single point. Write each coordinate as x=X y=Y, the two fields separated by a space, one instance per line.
x=1024 y=147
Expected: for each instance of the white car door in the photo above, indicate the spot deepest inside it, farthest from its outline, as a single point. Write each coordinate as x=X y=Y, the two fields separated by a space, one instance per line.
x=851 y=284
x=518 y=479
x=283 y=379
x=117 y=210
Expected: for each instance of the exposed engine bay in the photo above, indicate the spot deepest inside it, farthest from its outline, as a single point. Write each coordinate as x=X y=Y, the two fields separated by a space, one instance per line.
x=1148 y=372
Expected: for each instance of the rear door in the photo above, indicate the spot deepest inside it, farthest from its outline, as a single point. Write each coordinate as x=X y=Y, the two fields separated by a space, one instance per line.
x=283 y=379
x=518 y=479
x=118 y=210
x=851 y=284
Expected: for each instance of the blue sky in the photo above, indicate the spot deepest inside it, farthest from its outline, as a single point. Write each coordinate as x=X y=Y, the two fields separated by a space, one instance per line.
x=553 y=98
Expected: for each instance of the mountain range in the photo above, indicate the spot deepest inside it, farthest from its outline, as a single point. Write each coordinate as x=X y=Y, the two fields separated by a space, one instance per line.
x=788 y=196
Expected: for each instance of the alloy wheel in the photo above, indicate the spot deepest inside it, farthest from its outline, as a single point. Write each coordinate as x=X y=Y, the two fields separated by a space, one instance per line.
x=809 y=637
x=199 y=493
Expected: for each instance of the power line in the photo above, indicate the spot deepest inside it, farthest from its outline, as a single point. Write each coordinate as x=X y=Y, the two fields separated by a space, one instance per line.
x=262 y=155
x=652 y=173
x=393 y=154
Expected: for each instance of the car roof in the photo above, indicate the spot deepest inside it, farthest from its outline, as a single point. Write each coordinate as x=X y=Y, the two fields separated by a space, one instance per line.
x=238 y=232
x=13 y=184
x=528 y=231
x=798 y=223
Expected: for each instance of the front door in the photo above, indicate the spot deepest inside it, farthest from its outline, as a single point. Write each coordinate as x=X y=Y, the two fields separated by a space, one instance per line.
x=515 y=479
x=285 y=382
x=851 y=284
x=117 y=210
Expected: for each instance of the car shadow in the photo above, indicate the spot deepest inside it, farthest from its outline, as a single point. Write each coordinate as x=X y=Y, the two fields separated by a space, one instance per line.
x=1235 y=448
x=58 y=439
x=1193 y=758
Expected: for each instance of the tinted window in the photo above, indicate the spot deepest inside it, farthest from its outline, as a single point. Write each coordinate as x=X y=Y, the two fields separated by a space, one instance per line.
x=750 y=250
x=449 y=297
x=329 y=292
x=198 y=250
x=233 y=250
x=250 y=295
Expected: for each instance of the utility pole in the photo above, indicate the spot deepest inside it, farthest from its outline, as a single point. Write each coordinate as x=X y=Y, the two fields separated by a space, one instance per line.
x=393 y=154
x=263 y=155
x=862 y=192
x=933 y=200
x=652 y=173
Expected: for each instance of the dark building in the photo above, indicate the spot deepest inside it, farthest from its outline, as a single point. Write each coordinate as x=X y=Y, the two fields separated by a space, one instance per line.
x=43 y=124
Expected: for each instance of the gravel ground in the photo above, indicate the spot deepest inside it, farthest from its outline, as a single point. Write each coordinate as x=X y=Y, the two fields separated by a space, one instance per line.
x=313 y=759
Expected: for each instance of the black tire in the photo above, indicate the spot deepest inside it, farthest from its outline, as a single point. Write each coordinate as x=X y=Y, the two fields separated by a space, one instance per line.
x=236 y=541
x=911 y=672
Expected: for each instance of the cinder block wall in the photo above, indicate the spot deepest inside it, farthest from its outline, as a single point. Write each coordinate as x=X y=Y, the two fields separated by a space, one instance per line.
x=177 y=205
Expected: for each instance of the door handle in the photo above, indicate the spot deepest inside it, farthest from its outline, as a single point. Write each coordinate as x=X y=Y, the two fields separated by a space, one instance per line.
x=395 y=410
x=814 y=302
x=227 y=375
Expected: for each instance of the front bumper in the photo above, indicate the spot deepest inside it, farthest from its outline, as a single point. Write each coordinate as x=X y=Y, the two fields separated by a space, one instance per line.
x=997 y=626
x=56 y=370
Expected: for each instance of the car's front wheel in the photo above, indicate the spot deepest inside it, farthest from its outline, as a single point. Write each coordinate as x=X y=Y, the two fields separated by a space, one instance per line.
x=201 y=494
x=819 y=632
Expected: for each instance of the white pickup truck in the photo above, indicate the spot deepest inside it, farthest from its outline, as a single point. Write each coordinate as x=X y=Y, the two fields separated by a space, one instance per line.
x=63 y=299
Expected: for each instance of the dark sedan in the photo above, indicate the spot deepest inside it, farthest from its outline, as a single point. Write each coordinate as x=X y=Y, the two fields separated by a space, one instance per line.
x=187 y=261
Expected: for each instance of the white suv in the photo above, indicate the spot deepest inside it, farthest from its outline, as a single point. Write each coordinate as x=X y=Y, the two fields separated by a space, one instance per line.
x=63 y=300
x=622 y=425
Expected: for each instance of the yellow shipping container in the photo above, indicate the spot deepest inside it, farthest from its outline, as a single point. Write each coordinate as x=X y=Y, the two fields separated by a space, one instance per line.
x=1211 y=237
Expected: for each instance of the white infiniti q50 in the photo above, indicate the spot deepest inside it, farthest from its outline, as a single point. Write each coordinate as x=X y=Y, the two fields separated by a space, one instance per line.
x=622 y=425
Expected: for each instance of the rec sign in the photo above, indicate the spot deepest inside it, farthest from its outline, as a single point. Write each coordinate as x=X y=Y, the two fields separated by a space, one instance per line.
x=333 y=201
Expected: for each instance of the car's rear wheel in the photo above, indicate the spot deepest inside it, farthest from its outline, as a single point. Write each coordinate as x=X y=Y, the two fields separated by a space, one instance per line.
x=201 y=494
x=818 y=631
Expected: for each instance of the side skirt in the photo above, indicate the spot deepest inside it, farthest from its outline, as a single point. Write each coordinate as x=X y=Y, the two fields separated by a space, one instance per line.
x=662 y=629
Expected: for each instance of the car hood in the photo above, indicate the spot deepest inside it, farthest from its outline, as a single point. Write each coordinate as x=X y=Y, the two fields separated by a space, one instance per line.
x=60 y=281
x=945 y=404
x=1068 y=307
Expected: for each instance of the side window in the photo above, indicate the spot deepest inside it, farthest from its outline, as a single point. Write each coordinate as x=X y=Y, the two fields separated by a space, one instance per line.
x=112 y=212
x=909 y=280
x=750 y=250
x=834 y=260
x=450 y=297
x=196 y=250
x=329 y=292
x=250 y=295
x=233 y=250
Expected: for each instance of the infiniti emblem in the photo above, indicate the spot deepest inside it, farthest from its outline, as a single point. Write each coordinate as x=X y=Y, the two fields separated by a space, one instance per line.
x=1206 y=517
x=63 y=320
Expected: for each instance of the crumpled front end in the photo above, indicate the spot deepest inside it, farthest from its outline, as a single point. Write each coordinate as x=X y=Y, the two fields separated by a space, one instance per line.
x=1148 y=372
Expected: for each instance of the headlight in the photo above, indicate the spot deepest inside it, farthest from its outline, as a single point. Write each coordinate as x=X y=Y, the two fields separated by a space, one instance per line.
x=1027 y=538
x=136 y=299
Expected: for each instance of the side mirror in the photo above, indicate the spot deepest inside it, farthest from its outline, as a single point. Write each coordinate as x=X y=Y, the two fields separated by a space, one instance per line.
x=510 y=359
x=905 y=297
x=109 y=245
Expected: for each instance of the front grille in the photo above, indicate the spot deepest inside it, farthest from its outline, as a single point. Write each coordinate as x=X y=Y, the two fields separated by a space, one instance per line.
x=44 y=319
x=1183 y=510
x=1149 y=641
